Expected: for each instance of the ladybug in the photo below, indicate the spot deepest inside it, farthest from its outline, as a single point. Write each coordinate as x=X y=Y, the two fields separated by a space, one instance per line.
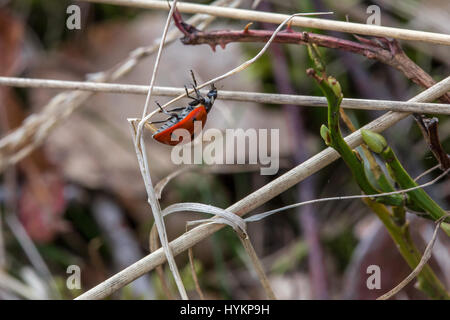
x=197 y=110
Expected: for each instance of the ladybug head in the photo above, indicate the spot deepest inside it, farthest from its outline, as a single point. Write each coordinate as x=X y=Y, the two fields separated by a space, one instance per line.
x=210 y=98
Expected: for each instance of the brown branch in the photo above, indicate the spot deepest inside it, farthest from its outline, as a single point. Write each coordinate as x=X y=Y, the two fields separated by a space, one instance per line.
x=381 y=49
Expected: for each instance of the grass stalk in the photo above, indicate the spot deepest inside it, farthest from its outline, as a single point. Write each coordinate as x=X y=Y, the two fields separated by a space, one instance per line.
x=276 y=18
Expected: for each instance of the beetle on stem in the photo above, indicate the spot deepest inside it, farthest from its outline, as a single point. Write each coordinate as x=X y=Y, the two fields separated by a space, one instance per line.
x=183 y=117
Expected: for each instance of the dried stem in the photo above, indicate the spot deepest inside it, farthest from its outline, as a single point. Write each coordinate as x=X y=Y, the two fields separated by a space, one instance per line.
x=194 y=274
x=386 y=51
x=256 y=198
x=258 y=97
x=153 y=246
x=141 y=153
x=258 y=267
x=251 y=15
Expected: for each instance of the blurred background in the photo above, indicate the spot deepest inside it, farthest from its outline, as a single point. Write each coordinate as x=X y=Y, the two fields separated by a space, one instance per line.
x=80 y=200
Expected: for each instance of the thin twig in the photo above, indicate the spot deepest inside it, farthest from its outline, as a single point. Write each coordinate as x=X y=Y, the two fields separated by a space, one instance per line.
x=258 y=97
x=194 y=272
x=426 y=256
x=426 y=172
x=154 y=245
x=260 y=216
x=251 y=15
x=257 y=198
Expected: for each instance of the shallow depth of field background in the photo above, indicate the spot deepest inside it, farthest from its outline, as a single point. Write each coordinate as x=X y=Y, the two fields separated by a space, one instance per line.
x=81 y=197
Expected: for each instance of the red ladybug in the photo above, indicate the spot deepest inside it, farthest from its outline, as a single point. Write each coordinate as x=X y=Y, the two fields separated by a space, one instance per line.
x=197 y=110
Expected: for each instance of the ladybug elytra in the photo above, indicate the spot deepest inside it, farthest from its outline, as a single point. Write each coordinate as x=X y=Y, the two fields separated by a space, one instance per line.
x=197 y=110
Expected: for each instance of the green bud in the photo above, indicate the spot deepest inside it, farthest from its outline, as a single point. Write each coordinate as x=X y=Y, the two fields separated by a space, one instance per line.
x=325 y=134
x=374 y=141
x=335 y=85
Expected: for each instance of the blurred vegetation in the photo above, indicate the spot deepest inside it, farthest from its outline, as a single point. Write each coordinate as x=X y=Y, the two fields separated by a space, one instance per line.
x=46 y=25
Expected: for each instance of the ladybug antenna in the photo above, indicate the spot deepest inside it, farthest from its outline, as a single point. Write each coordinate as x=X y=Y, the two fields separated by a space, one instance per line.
x=193 y=78
x=194 y=86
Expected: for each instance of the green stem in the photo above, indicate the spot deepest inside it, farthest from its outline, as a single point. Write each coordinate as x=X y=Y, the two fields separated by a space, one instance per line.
x=417 y=196
x=427 y=279
x=331 y=88
x=396 y=223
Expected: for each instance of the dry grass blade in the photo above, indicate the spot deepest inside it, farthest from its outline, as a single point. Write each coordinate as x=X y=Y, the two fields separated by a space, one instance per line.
x=426 y=256
x=257 y=198
x=159 y=187
x=141 y=154
x=237 y=223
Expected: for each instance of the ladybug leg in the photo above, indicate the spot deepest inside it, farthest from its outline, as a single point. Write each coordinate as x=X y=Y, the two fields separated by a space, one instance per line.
x=177 y=109
x=161 y=121
x=171 y=115
x=161 y=109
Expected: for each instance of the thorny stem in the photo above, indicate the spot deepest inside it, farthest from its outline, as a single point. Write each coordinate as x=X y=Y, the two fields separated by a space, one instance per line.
x=386 y=51
x=381 y=49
